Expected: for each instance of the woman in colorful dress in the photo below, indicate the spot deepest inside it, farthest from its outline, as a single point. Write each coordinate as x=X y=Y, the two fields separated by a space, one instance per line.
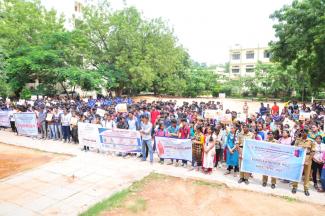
x=160 y=131
x=232 y=152
x=197 y=146
x=209 y=150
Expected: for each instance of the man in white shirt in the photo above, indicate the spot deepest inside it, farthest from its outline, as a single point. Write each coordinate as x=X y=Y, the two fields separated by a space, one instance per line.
x=65 y=122
x=108 y=122
x=132 y=122
x=145 y=131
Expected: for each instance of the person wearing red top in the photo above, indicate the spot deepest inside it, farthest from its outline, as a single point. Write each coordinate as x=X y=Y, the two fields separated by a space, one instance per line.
x=154 y=115
x=275 y=109
x=184 y=133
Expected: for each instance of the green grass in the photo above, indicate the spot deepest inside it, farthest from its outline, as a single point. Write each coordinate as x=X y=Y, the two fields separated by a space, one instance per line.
x=209 y=184
x=289 y=199
x=117 y=199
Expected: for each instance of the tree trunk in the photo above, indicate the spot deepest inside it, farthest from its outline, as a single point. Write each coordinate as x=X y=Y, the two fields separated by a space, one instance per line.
x=65 y=90
x=118 y=91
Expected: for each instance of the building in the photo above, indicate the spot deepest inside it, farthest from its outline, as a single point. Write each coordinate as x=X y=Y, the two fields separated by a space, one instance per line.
x=70 y=9
x=243 y=60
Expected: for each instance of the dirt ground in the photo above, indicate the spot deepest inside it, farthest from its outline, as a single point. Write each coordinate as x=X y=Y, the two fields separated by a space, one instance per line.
x=15 y=159
x=228 y=103
x=174 y=196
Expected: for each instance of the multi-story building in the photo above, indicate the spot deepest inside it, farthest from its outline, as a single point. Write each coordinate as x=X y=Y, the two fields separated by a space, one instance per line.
x=243 y=60
x=70 y=9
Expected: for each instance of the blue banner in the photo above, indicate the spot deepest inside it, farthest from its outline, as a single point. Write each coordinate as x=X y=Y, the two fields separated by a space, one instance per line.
x=272 y=159
x=26 y=123
x=119 y=140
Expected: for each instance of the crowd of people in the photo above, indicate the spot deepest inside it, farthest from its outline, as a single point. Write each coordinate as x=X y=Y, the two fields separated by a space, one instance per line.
x=213 y=142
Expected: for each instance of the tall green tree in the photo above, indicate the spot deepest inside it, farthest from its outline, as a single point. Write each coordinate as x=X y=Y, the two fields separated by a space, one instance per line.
x=300 y=41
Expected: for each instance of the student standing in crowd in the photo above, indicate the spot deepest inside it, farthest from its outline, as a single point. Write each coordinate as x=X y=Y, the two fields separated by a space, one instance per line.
x=270 y=138
x=184 y=133
x=74 y=127
x=173 y=133
x=232 y=151
x=65 y=121
x=197 y=146
x=245 y=134
x=218 y=146
x=145 y=131
x=42 y=122
x=309 y=146
x=160 y=131
x=209 y=150
x=285 y=139
x=317 y=162
x=108 y=122
x=322 y=177
x=245 y=109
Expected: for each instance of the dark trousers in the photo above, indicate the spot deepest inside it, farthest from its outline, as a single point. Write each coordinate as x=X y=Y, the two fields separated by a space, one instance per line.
x=316 y=168
x=218 y=156
x=66 y=132
x=74 y=134
x=13 y=126
x=231 y=167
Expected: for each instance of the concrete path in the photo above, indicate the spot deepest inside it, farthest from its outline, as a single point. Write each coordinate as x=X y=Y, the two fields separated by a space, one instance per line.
x=70 y=186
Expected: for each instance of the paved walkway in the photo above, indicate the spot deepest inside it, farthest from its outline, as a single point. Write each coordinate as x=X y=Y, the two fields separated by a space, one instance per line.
x=70 y=186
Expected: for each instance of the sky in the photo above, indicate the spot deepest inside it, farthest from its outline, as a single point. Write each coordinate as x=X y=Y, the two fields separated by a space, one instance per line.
x=209 y=28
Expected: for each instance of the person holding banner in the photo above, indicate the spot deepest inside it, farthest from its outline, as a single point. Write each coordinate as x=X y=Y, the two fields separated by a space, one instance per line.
x=197 y=146
x=232 y=151
x=108 y=122
x=145 y=131
x=245 y=134
x=160 y=131
x=209 y=151
x=270 y=138
x=309 y=146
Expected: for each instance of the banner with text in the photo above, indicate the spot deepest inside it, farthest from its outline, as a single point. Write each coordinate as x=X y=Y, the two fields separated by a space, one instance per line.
x=119 y=140
x=88 y=134
x=272 y=159
x=4 y=119
x=26 y=123
x=174 y=148
x=211 y=114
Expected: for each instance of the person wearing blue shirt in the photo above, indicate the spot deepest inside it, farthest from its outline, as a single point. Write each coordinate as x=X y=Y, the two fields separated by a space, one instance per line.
x=263 y=109
x=173 y=132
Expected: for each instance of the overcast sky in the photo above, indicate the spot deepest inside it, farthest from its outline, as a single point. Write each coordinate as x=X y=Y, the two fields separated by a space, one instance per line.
x=206 y=28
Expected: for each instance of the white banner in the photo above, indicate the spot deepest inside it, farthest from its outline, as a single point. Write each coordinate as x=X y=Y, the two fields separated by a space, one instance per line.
x=4 y=119
x=26 y=123
x=88 y=134
x=121 y=108
x=174 y=148
x=211 y=114
x=119 y=140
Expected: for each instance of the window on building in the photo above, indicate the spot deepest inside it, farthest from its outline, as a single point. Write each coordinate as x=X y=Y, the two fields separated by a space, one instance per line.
x=249 y=68
x=235 y=69
x=250 y=55
x=77 y=7
x=267 y=54
x=235 y=56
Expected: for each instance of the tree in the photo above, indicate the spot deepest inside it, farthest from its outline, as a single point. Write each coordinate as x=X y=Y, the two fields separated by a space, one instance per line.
x=301 y=41
x=198 y=79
